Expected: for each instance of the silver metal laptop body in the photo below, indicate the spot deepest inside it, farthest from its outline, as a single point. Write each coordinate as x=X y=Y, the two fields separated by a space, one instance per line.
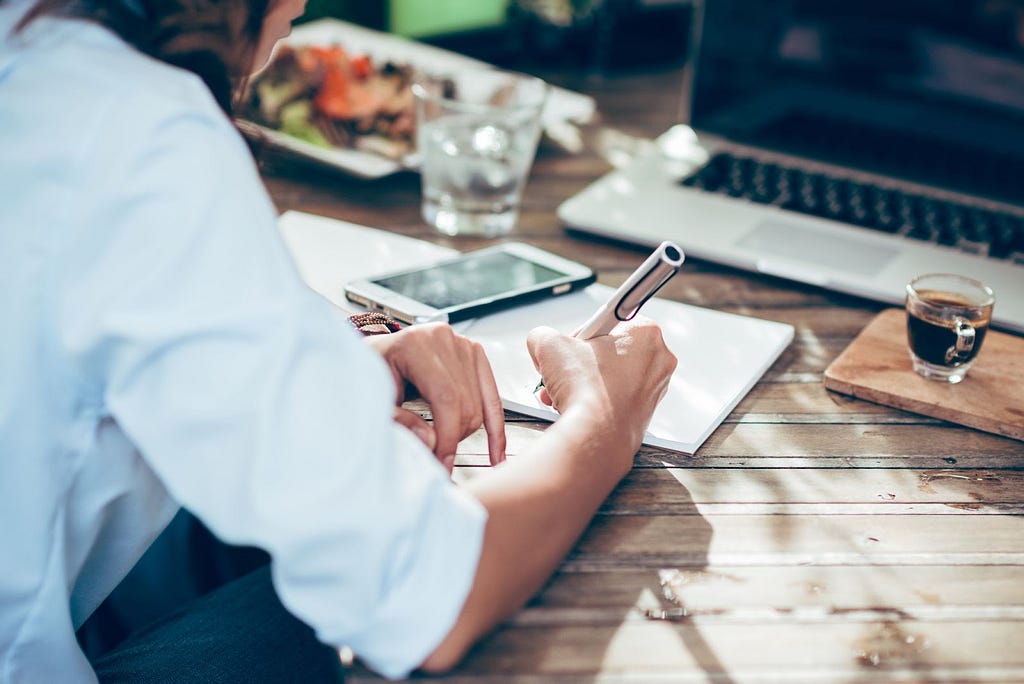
x=846 y=145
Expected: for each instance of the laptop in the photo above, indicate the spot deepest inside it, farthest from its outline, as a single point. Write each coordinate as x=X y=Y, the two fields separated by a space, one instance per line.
x=849 y=145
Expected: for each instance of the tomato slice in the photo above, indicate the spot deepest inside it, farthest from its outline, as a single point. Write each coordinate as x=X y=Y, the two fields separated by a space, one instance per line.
x=332 y=96
x=361 y=65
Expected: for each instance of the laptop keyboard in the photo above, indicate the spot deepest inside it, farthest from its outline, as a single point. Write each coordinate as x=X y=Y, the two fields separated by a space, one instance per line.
x=967 y=228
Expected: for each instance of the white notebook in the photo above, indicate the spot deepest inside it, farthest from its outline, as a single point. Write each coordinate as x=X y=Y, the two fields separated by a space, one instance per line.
x=721 y=355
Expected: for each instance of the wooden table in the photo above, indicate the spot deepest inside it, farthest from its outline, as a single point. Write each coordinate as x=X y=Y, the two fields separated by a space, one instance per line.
x=813 y=537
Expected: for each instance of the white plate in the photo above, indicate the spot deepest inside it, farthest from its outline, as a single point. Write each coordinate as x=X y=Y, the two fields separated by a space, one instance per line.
x=562 y=105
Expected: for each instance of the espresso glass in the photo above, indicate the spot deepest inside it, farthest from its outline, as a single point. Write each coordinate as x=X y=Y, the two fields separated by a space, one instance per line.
x=947 y=318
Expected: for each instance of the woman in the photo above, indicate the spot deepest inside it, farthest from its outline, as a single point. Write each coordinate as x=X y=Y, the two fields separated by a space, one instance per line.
x=160 y=351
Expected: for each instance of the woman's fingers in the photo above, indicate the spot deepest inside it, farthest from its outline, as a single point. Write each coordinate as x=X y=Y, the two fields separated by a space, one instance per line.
x=448 y=403
x=419 y=427
x=425 y=432
x=493 y=413
x=453 y=375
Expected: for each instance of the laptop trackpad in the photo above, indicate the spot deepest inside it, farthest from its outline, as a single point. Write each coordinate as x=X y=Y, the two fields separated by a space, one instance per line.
x=815 y=248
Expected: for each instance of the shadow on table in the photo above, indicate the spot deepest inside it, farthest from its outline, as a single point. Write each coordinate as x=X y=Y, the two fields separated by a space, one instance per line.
x=596 y=614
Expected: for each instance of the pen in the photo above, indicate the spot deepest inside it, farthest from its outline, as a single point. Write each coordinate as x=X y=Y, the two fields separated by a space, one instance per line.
x=626 y=301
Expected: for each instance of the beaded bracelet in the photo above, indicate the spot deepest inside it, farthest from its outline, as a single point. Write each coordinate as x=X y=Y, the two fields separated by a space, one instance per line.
x=374 y=323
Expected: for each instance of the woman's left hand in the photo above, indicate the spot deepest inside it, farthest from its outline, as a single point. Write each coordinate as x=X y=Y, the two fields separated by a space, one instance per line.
x=453 y=375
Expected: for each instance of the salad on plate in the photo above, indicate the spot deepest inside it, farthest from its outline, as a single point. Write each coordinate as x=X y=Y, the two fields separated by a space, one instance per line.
x=330 y=98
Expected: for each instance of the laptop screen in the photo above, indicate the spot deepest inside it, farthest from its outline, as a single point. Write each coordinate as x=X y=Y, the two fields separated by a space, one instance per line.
x=928 y=90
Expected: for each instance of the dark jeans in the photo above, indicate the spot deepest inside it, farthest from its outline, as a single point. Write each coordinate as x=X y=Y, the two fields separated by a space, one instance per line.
x=236 y=632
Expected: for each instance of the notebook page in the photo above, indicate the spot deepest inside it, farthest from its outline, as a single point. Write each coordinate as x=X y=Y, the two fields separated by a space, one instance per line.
x=720 y=355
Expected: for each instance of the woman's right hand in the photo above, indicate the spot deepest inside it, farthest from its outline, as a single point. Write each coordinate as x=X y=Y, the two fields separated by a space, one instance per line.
x=618 y=378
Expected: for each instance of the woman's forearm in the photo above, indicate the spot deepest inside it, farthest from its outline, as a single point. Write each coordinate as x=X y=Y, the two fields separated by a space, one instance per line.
x=538 y=503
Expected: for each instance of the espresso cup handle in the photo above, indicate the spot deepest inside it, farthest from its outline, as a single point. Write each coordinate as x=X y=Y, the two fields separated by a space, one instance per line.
x=964 y=345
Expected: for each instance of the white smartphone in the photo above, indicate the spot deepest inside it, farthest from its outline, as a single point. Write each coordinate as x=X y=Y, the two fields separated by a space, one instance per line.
x=470 y=284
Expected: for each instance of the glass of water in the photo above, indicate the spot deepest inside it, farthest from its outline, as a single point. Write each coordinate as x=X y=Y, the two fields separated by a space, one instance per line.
x=477 y=133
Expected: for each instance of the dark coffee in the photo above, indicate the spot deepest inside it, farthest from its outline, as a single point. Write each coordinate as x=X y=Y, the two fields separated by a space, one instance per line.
x=931 y=327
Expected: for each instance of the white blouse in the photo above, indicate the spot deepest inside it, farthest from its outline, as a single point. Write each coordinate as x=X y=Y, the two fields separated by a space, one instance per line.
x=157 y=349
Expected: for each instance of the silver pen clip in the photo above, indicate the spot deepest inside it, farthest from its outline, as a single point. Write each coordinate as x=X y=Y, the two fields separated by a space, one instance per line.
x=661 y=272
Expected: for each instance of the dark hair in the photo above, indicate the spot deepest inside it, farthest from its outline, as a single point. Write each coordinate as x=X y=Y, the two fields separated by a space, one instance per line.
x=215 y=39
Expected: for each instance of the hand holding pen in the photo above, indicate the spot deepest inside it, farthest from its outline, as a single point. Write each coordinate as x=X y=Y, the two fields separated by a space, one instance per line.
x=626 y=301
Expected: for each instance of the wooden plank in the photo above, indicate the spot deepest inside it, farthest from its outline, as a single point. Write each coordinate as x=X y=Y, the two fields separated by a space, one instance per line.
x=804 y=491
x=646 y=650
x=828 y=445
x=698 y=541
x=643 y=489
x=651 y=459
x=954 y=589
x=785 y=615
x=699 y=286
x=823 y=509
x=803 y=402
x=813 y=323
x=947 y=441
x=805 y=360
x=980 y=675
x=890 y=417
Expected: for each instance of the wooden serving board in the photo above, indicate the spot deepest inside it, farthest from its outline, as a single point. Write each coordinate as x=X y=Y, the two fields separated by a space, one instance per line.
x=876 y=366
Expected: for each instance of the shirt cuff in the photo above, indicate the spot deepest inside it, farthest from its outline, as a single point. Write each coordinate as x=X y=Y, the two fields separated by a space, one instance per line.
x=427 y=595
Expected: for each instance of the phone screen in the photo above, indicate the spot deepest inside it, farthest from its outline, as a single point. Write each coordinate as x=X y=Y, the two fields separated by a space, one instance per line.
x=475 y=277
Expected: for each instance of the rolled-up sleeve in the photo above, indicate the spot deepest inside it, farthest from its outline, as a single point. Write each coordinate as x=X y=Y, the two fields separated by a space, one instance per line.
x=253 y=401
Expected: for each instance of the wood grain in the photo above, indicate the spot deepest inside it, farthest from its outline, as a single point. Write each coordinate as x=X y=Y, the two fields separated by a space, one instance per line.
x=815 y=537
